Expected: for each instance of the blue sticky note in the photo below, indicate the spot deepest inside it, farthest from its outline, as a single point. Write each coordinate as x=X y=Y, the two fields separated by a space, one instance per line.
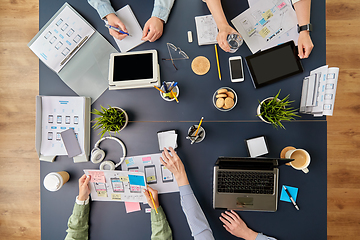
x=293 y=192
x=136 y=180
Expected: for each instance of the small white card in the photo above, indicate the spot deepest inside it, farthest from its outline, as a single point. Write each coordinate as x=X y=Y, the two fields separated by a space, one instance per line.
x=167 y=139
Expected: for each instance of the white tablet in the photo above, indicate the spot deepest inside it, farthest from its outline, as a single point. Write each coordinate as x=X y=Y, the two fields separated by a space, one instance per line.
x=138 y=69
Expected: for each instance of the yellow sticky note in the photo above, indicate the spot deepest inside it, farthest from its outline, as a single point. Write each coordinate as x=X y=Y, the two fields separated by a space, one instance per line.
x=265 y=31
x=102 y=193
x=124 y=179
x=150 y=178
x=267 y=15
x=116 y=196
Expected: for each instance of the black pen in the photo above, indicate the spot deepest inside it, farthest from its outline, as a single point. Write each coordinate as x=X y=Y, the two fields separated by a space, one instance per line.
x=292 y=200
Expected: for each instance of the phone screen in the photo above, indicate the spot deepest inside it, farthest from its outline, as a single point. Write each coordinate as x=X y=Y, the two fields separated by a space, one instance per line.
x=167 y=176
x=117 y=185
x=150 y=174
x=236 y=69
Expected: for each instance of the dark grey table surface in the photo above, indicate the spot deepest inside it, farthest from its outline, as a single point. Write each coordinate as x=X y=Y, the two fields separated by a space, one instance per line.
x=225 y=132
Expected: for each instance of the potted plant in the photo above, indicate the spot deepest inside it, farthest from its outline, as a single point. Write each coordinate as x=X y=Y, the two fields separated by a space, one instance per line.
x=111 y=120
x=273 y=110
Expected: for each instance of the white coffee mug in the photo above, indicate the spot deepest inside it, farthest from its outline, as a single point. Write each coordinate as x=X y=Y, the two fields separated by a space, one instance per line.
x=301 y=159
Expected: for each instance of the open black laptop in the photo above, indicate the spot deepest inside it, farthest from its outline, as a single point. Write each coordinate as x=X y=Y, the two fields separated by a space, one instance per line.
x=247 y=184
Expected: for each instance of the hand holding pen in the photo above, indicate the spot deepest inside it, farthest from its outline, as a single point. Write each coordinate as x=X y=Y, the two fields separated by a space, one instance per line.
x=117 y=28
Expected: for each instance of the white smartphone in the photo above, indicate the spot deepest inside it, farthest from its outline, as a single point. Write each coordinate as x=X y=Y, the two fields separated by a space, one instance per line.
x=236 y=69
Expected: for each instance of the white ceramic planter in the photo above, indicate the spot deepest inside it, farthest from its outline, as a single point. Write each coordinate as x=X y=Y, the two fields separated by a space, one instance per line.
x=259 y=107
x=126 y=119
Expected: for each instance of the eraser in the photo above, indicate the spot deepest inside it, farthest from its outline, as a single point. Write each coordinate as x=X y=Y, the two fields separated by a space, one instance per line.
x=190 y=39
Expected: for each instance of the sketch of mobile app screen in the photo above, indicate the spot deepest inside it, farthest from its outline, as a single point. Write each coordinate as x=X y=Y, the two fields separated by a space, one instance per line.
x=67 y=119
x=133 y=169
x=100 y=186
x=150 y=174
x=58 y=136
x=50 y=136
x=50 y=119
x=117 y=185
x=167 y=176
x=76 y=119
x=135 y=188
x=59 y=119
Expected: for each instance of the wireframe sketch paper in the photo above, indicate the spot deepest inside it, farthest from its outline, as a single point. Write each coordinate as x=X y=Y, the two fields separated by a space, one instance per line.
x=61 y=39
x=264 y=22
x=127 y=16
x=113 y=185
x=60 y=114
x=157 y=176
x=206 y=30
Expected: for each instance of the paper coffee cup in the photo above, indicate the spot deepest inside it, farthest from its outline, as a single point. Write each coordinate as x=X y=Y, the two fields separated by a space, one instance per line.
x=55 y=180
x=301 y=159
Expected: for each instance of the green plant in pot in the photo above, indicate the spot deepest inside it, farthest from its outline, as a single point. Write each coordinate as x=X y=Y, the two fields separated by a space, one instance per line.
x=111 y=120
x=274 y=110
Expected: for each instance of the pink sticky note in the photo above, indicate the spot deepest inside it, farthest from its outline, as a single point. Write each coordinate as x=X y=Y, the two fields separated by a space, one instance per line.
x=132 y=207
x=97 y=176
x=146 y=159
x=281 y=5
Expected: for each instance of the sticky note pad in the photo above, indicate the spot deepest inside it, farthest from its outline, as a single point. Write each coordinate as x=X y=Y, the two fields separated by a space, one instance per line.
x=293 y=192
x=97 y=176
x=136 y=180
x=146 y=160
x=129 y=162
x=116 y=196
x=132 y=207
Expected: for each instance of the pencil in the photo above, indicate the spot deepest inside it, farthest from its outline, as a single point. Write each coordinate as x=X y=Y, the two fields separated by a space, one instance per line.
x=152 y=199
x=159 y=89
x=217 y=61
x=174 y=95
x=199 y=125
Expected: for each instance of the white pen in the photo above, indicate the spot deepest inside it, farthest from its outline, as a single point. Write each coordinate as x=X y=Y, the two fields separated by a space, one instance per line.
x=292 y=200
x=74 y=50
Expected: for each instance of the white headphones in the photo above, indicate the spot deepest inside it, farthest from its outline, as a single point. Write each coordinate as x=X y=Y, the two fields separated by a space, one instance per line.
x=97 y=155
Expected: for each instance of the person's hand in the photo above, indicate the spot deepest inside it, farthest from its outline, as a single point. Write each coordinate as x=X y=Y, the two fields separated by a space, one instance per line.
x=153 y=29
x=236 y=226
x=154 y=193
x=84 y=189
x=305 y=45
x=114 y=21
x=174 y=164
x=221 y=38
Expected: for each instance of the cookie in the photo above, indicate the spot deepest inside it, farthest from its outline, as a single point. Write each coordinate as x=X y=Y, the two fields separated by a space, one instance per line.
x=229 y=102
x=230 y=94
x=223 y=90
x=220 y=102
x=200 y=65
x=222 y=95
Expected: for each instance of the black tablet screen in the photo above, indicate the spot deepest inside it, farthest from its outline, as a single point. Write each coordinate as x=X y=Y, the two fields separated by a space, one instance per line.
x=133 y=67
x=274 y=64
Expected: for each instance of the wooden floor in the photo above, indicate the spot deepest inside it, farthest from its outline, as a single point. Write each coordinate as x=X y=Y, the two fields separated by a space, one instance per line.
x=19 y=165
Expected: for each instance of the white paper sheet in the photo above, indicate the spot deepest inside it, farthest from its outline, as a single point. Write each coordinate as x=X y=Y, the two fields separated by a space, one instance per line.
x=60 y=38
x=107 y=185
x=167 y=139
x=165 y=182
x=264 y=22
x=206 y=30
x=60 y=114
x=127 y=16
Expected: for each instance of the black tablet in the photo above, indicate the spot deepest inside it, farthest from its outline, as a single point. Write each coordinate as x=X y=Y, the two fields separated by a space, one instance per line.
x=274 y=64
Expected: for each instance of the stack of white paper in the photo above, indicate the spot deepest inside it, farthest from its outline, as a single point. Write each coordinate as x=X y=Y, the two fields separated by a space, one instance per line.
x=167 y=139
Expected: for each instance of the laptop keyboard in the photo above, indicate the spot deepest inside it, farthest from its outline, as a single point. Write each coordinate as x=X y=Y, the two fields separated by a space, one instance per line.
x=245 y=182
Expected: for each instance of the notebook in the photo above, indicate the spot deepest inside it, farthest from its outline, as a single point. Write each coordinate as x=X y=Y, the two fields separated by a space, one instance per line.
x=246 y=184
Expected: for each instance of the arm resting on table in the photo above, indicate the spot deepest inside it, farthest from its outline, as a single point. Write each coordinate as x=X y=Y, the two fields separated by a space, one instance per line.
x=162 y=9
x=160 y=229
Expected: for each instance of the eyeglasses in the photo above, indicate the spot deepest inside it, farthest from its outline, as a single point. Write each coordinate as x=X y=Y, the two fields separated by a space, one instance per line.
x=175 y=49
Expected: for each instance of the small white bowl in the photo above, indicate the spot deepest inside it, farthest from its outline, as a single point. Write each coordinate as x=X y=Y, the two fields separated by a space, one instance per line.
x=230 y=90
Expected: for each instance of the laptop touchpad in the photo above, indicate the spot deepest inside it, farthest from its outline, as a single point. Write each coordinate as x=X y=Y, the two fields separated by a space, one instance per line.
x=244 y=201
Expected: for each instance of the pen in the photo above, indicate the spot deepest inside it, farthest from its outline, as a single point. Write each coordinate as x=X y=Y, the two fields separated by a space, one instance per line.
x=174 y=95
x=165 y=87
x=116 y=29
x=199 y=126
x=159 y=89
x=171 y=88
x=74 y=50
x=152 y=199
x=217 y=61
x=292 y=200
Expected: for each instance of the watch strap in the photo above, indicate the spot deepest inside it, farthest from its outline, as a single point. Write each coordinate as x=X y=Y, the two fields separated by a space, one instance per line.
x=307 y=27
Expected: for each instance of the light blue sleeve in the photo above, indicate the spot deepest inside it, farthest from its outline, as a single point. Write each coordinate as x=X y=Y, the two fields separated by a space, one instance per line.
x=196 y=219
x=162 y=9
x=261 y=236
x=103 y=7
